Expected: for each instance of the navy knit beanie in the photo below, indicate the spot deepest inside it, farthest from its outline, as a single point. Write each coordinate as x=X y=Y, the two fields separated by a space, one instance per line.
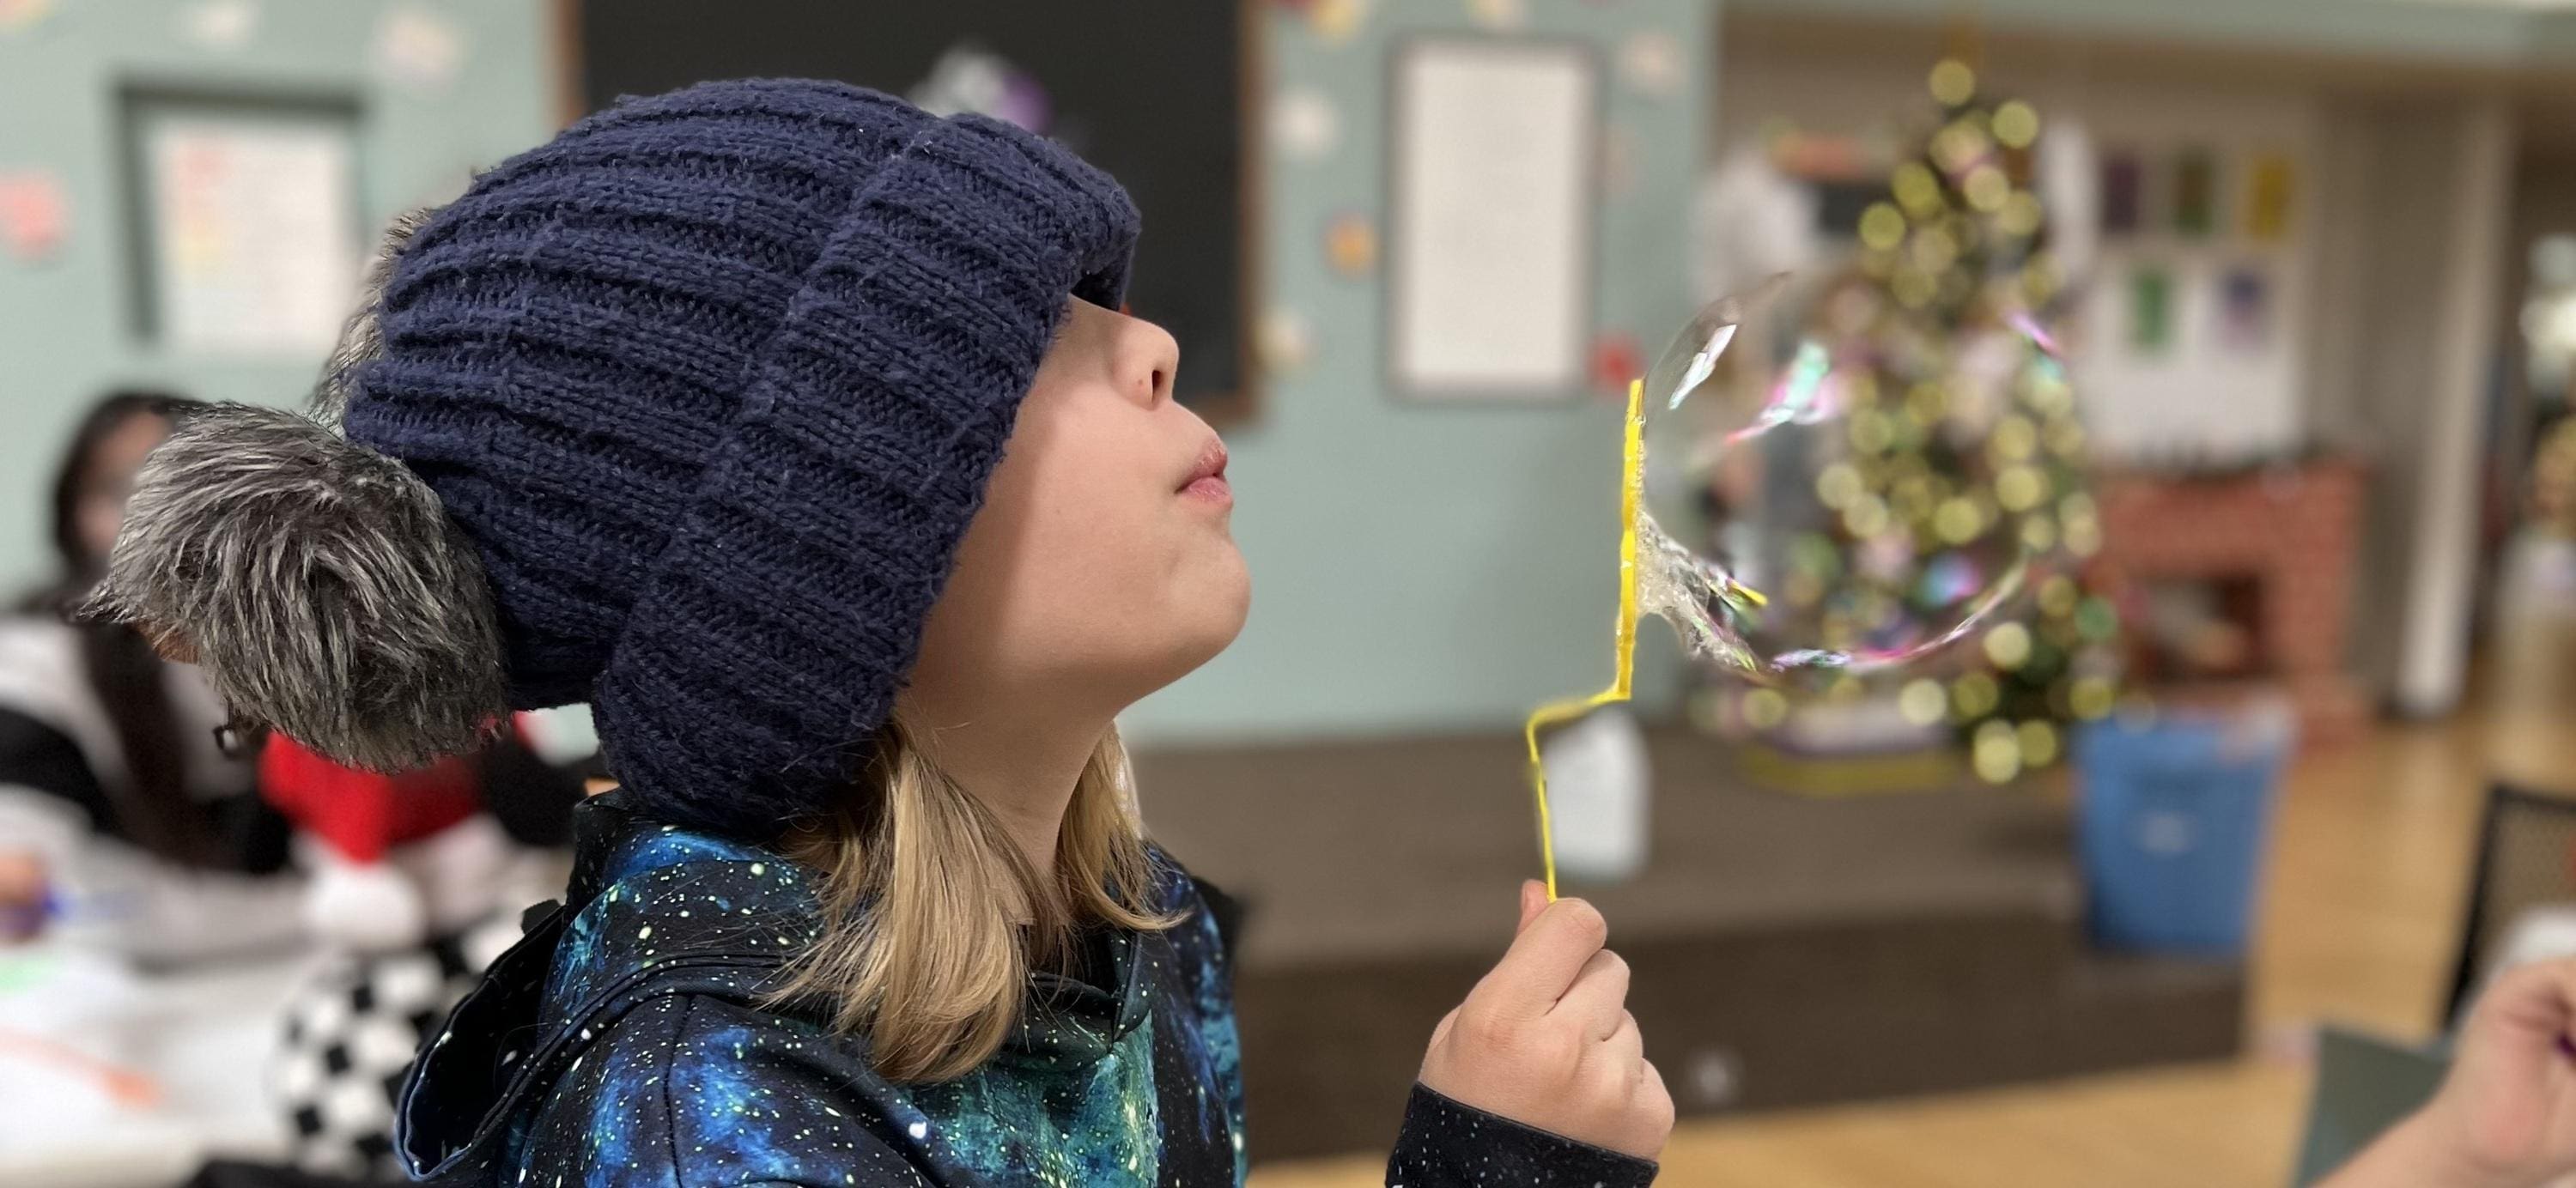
x=713 y=383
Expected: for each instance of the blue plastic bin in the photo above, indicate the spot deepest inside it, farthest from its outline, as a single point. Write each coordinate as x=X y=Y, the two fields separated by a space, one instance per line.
x=2170 y=826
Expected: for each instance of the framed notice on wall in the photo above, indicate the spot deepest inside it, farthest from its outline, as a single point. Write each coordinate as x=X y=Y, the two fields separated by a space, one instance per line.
x=1492 y=145
x=245 y=217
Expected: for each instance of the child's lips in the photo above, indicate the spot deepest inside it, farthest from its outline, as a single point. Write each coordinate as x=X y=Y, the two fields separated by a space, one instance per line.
x=1207 y=479
x=1213 y=489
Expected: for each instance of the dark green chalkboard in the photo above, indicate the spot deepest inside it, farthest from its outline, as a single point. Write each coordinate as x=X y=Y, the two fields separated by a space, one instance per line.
x=1151 y=90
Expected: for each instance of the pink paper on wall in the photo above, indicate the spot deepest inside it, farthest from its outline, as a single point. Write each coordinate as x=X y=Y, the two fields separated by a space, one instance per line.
x=23 y=14
x=34 y=216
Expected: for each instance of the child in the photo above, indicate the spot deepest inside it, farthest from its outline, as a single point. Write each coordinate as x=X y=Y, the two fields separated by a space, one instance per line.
x=699 y=413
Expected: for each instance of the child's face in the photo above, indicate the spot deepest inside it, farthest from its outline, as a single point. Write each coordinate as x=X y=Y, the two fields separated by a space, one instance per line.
x=108 y=479
x=1102 y=566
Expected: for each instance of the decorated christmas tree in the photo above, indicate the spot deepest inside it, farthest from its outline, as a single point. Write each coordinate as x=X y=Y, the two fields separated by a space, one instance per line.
x=1959 y=475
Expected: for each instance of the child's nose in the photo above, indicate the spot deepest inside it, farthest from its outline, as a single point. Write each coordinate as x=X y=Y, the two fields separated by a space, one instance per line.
x=1148 y=358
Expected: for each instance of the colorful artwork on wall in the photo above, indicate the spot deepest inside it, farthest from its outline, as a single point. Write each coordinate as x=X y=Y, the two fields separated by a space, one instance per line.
x=2123 y=192
x=2245 y=309
x=2271 y=190
x=35 y=217
x=2195 y=191
x=2150 y=309
x=1350 y=245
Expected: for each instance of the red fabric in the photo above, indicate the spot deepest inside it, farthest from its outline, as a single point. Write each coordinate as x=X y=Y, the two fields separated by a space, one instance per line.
x=362 y=814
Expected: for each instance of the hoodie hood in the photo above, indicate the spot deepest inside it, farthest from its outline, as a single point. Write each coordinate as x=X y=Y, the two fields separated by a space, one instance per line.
x=655 y=909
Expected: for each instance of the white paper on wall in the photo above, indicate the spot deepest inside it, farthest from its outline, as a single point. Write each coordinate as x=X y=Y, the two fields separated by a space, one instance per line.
x=254 y=233
x=1491 y=245
x=220 y=25
x=418 y=48
x=1304 y=124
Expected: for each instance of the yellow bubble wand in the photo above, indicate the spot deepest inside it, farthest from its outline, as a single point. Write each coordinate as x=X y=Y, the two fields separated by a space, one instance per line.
x=1632 y=481
x=1659 y=576
x=1684 y=365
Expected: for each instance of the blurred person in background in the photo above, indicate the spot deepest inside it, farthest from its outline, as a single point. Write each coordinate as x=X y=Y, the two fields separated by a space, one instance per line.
x=127 y=809
x=121 y=817
x=132 y=828
x=134 y=821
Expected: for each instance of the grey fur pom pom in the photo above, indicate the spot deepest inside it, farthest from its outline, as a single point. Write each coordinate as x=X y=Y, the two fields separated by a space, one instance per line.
x=361 y=339
x=320 y=586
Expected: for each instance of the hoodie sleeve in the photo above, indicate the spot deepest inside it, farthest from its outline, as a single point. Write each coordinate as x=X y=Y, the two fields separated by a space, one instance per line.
x=1446 y=1143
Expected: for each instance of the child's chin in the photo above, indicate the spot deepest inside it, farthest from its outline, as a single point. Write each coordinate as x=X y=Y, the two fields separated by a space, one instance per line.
x=1206 y=623
x=1228 y=601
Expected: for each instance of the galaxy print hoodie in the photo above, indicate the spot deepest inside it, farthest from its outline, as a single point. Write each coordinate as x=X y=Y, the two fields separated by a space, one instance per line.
x=623 y=1044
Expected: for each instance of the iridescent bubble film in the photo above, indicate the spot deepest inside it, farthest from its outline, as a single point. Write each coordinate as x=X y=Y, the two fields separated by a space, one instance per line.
x=1790 y=523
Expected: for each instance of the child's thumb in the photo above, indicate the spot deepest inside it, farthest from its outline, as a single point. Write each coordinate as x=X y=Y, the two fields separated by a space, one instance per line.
x=1533 y=901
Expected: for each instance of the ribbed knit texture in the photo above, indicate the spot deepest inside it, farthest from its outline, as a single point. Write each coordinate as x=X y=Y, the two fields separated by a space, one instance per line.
x=715 y=380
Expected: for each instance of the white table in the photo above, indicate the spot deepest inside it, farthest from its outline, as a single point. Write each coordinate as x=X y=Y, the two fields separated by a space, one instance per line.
x=205 y=1035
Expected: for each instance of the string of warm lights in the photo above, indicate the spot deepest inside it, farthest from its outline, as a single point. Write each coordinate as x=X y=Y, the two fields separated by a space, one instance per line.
x=1962 y=449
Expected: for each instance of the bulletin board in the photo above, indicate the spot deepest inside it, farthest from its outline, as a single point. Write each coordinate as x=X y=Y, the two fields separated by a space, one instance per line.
x=1153 y=93
x=2194 y=329
x=243 y=218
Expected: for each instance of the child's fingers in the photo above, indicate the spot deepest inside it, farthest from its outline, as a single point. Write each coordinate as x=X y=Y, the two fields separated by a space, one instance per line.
x=1545 y=958
x=1598 y=999
x=1626 y=1045
x=1533 y=901
x=2535 y=1001
x=1441 y=1032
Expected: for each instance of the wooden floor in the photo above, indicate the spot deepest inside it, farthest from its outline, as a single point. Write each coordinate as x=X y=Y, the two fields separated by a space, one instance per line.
x=2368 y=867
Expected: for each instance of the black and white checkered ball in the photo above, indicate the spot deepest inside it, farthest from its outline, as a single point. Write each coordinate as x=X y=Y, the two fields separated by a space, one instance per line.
x=351 y=1032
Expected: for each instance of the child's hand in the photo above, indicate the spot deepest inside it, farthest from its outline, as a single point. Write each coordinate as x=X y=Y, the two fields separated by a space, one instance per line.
x=2509 y=1106
x=2506 y=1115
x=1546 y=1039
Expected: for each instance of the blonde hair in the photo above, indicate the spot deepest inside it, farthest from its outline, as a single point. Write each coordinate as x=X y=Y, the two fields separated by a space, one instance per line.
x=933 y=919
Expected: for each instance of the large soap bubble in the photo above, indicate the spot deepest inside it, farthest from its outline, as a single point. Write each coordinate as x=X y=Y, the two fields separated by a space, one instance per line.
x=1752 y=460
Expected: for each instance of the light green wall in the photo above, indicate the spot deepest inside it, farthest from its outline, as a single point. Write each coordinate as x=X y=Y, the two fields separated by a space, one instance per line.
x=2485 y=33
x=64 y=329
x=1416 y=566
x=1420 y=566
